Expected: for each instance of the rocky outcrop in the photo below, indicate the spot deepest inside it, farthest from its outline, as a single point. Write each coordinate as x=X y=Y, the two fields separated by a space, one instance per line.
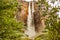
x=22 y=12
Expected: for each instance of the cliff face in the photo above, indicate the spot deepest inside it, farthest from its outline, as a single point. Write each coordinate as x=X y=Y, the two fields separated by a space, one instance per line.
x=22 y=12
x=38 y=19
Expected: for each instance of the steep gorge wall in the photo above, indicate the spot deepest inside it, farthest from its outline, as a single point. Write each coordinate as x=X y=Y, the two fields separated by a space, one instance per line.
x=38 y=19
x=22 y=12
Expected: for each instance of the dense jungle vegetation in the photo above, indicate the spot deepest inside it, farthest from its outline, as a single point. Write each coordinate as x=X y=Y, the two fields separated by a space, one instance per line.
x=10 y=29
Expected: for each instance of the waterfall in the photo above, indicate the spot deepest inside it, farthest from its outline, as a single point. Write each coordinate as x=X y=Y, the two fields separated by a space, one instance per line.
x=30 y=29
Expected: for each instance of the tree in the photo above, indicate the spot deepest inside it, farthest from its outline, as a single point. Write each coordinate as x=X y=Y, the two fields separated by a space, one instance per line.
x=10 y=29
x=51 y=31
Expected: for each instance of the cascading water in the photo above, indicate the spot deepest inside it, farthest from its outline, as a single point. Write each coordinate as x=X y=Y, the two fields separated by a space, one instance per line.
x=30 y=29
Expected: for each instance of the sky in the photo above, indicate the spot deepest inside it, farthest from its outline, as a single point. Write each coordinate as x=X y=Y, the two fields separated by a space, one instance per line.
x=56 y=4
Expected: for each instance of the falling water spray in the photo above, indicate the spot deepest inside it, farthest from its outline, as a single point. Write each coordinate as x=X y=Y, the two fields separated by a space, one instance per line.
x=30 y=20
x=30 y=29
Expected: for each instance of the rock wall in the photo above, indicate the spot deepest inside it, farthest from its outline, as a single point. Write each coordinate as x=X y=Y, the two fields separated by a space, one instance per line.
x=22 y=12
x=38 y=19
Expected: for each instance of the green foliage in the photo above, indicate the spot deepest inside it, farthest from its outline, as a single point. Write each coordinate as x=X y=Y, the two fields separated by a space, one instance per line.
x=52 y=31
x=10 y=29
x=52 y=24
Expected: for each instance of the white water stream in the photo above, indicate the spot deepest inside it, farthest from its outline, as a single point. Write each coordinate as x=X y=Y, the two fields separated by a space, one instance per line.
x=31 y=28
